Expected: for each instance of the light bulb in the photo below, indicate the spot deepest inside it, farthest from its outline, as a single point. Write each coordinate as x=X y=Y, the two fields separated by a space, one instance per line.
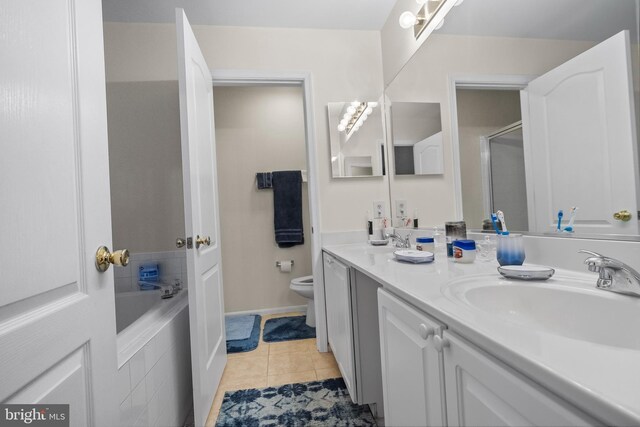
x=341 y=127
x=368 y=111
x=364 y=117
x=407 y=20
x=351 y=110
x=355 y=103
x=373 y=104
x=346 y=116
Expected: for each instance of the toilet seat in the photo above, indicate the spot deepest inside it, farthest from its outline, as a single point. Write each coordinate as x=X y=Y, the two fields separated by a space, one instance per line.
x=303 y=281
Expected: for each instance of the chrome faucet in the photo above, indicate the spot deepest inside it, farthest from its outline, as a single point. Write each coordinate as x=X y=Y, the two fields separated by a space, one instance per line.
x=615 y=275
x=401 y=242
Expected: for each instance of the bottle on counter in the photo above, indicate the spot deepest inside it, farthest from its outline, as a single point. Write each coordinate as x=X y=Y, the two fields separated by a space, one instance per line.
x=425 y=244
x=454 y=230
x=464 y=251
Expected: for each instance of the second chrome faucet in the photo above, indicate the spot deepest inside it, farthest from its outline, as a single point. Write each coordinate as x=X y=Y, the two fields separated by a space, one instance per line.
x=614 y=275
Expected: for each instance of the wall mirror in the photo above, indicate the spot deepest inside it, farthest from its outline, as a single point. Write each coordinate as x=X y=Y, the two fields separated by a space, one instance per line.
x=519 y=83
x=416 y=135
x=356 y=138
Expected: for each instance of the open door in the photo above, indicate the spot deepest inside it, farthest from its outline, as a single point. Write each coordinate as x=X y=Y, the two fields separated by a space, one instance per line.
x=580 y=141
x=57 y=313
x=427 y=156
x=202 y=225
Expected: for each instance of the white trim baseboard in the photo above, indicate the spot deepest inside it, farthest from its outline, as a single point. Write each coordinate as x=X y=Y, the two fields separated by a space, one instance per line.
x=292 y=308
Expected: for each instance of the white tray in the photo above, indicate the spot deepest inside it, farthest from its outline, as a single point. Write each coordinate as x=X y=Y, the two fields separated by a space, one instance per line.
x=411 y=255
x=381 y=242
x=526 y=272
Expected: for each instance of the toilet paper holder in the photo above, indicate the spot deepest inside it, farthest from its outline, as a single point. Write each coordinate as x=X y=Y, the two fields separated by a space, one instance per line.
x=278 y=263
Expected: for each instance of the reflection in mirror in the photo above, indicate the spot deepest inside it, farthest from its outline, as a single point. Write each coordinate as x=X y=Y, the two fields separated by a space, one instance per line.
x=357 y=139
x=572 y=153
x=416 y=129
x=490 y=167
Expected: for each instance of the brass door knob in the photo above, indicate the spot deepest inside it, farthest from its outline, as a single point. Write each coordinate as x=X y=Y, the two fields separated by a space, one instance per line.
x=623 y=215
x=202 y=241
x=104 y=258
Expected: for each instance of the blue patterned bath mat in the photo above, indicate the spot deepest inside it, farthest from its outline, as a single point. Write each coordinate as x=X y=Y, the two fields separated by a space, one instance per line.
x=287 y=329
x=247 y=344
x=316 y=403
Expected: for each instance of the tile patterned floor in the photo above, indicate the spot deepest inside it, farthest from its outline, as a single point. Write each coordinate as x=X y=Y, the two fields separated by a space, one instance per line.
x=272 y=364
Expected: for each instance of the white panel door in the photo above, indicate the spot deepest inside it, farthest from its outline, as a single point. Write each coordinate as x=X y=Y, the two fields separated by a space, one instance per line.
x=204 y=269
x=57 y=313
x=480 y=391
x=412 y=381
x=428 y=157
x=580 y=140
x=339 y=322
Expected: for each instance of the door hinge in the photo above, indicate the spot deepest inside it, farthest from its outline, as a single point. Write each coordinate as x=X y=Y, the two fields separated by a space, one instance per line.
x=189 y=242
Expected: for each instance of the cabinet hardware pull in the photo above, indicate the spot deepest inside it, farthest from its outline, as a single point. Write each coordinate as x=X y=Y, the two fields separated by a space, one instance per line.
x=440 y=343
x=425 y=331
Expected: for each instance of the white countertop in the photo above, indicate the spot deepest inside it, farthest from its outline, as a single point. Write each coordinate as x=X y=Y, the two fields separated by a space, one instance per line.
x=603 y=381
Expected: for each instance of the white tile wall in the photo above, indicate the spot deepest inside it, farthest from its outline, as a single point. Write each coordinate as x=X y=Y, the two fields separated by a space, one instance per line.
x=154 y=385
x=173 y=266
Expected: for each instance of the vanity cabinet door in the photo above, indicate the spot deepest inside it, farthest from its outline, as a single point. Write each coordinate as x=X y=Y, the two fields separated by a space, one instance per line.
x=482 y=391
x=411 y=367
x=339 y=325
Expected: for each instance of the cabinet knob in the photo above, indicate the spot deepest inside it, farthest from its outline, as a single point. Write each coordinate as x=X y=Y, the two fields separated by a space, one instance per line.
x=440 y=343
x=425 y=331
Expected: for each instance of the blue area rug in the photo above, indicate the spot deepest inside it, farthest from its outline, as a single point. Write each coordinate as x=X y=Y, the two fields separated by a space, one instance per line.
x=239 y=327
x=248 y=344
x=316 y=403
x=287 y=329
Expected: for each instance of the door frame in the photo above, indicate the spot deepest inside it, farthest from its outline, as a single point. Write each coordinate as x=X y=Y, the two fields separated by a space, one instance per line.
x=474 y=81
x=304 y=80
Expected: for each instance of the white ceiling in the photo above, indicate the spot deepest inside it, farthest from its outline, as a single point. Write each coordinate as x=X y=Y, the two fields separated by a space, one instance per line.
x=589 y=20
x=328 y=14
x=554 y=19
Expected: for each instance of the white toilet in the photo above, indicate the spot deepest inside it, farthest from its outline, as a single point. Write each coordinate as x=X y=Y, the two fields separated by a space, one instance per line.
x=304 y=287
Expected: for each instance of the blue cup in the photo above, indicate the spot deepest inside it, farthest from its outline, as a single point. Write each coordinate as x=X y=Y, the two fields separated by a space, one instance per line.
x=510 y=249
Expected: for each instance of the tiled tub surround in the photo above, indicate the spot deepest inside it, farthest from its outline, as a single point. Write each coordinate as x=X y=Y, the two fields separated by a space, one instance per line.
x=154 y=359
x=172 y=264
x=600 y=380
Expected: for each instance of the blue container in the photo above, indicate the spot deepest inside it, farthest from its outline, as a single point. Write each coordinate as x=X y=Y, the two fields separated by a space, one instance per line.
x=149 y=273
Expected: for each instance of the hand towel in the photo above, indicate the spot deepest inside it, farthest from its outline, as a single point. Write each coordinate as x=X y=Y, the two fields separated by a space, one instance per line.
x=263 y=180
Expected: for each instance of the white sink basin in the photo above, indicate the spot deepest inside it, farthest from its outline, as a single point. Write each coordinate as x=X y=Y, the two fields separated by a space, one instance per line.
x=563 y=306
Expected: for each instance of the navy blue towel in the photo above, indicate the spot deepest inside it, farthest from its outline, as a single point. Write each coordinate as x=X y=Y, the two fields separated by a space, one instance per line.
x=264 y=180
x=287 y=208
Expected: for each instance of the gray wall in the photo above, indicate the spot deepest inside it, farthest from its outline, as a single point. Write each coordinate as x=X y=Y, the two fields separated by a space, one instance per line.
x=145 y=165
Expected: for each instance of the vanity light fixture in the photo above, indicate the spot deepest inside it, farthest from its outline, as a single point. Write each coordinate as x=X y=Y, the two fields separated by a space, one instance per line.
x=426 y=15
x=357 y=113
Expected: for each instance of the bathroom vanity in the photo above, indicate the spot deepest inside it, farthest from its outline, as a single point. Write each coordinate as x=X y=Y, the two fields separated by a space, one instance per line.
x=461 y=345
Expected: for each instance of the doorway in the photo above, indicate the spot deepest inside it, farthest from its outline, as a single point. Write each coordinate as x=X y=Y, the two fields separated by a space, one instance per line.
x=300 y=82
x=259 y=129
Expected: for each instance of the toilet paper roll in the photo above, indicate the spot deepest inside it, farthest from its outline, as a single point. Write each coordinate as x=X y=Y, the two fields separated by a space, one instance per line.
x=285 y=266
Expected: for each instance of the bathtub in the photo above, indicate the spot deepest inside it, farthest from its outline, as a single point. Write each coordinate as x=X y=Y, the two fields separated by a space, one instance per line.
x=154 y=358
x=130 y=306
